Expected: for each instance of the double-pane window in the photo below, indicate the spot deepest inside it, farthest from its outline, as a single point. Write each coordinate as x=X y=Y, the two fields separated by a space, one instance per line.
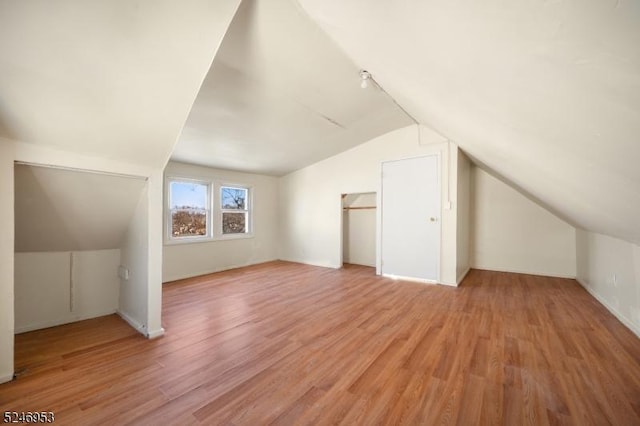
x=195 y=214
x=234 y=204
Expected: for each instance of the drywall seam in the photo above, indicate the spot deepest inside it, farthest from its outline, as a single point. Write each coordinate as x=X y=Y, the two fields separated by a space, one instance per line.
x=624 y=320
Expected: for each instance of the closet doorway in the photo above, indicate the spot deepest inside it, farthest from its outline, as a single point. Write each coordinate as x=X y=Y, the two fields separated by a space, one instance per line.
x=359 y=228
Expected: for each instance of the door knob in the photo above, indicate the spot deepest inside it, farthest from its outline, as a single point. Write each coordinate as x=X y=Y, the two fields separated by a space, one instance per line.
x=433 y=219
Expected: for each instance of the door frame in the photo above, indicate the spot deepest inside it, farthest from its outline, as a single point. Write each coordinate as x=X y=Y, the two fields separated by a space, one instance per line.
x=379 y=213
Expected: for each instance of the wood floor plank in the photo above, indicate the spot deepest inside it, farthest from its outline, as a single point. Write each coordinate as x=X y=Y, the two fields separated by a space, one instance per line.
x=285 y=343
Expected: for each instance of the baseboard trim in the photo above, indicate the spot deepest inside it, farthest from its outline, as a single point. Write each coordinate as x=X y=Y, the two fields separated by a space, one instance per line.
x=156 y=333
x=463 y=276
x=6 y=378
x=518 y=271
x=411 y=279
x=214 y=270
x=140 y=328
x=320 y=264
x=370 y=265
x=624 y=320
x=55 y=323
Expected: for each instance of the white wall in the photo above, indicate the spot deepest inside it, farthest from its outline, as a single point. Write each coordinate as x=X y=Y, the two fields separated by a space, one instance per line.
x=153 y=285
x=359 y=230
x=134 y=257
x=311 y=203
x=141 y=255
x=463 y=230
x=44 y=293
x=182 y=260
x=6 y=260
x=609 y=269
x=512 y=233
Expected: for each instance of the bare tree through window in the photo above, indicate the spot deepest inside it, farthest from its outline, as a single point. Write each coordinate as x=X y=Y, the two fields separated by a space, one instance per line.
x=234 y=210
x=233 y=198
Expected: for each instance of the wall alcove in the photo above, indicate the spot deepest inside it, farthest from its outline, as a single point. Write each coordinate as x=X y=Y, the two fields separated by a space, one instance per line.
x=70 y=232
x=359 y=228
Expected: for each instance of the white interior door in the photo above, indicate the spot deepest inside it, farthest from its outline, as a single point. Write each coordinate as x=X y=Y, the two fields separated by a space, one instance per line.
x=411 y=218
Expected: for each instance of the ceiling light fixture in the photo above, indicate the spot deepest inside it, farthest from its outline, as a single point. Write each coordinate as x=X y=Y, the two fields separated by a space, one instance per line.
x=365 y=76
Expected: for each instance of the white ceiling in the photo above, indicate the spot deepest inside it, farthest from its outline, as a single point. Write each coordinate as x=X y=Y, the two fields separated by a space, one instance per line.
x=64 y=210
x=279 y=96
x=114 y=79
x=546 y=95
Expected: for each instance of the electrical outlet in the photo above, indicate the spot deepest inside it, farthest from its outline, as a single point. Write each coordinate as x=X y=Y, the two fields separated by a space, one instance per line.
x=123 y=273
x=614 y=280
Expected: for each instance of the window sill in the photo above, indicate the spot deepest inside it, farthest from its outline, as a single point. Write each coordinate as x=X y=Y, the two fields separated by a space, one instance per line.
x=199 y=240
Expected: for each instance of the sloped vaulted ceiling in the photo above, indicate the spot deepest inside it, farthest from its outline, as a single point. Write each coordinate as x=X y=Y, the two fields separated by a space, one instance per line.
x=114 y=79
x=546 y=94
x=279 y=96
x=59 y=210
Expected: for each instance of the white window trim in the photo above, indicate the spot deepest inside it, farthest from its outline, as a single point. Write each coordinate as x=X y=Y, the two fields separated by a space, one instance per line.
x=214 y=218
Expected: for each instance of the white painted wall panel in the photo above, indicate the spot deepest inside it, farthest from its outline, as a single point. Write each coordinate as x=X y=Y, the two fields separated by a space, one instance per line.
x=133 y=298
x=609 y=269
x=45 y=297
x=42 y=297
x=97 y=283
x=359 y=244
x=463 y=231
x=512 y=233
x=6 y=259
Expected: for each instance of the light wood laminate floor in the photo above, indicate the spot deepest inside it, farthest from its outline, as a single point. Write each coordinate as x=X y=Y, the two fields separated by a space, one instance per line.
x=289 y=344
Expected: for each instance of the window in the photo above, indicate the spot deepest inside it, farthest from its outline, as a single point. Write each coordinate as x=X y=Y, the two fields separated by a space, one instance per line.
x=206 y=210
x=189 y=209
x=234 y=204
